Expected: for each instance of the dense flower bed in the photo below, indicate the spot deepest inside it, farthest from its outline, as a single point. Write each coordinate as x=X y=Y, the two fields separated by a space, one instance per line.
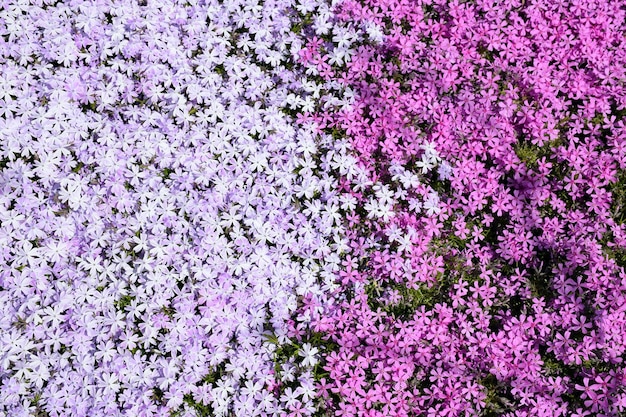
x=495 y=284
x=306 y=207
x=161 y=210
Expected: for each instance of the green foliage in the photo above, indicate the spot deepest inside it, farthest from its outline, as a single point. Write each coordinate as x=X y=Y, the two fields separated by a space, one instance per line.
x=39 y=411
x=618 y=206
x=220 y=70
x=410 y=298
x=489 y=55
x=20 y=323
x=498 y=396
x=540 y=276
x=165 y=173
x=302 y=22
x=283 y=354
x=78 y=167
x=527 y=153
x=91 y=106
x=214 y=376
x=201 y=409
x=123 y=302
x=168 y=311
x=618 y=213
x=530 y=154
x=442 y=187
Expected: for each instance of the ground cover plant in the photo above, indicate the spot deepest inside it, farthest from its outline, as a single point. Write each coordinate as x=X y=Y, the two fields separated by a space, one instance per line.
x=495 y=284
x=161 y=210
x=312 y=208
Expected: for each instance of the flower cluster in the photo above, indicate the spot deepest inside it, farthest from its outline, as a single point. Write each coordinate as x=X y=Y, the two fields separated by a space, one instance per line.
x=161 y=210
x=495 y=283
x=309 y=207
